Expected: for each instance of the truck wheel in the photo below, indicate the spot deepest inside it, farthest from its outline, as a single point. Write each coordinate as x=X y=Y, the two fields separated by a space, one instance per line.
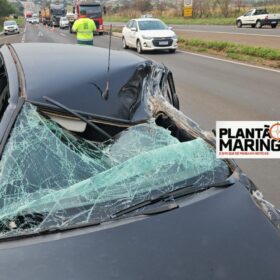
x=273 y=25
x=239 y=24
x=259 y=24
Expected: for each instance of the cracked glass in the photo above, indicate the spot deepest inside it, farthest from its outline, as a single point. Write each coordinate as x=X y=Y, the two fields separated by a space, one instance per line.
x=51 y=178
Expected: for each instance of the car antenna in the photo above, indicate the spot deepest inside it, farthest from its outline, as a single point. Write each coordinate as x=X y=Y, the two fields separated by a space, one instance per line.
x=105 y=93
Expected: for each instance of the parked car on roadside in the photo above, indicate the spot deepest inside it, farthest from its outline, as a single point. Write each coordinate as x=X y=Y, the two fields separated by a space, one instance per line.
x=148 y=34
x=258 y=18
x=10 y=27
x=101 y=174
x=63 y=23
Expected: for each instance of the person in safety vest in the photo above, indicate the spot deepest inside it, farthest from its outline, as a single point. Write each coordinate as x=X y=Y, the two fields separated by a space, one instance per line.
x=84 y=28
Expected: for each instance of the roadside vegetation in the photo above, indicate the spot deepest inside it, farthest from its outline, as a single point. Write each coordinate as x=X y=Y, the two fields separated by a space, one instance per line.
x=179 y=20
x=10 y=10
x=257 y=55
x=216 y=12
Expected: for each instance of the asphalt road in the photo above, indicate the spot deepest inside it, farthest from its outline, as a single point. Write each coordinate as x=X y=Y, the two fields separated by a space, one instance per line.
x=265 y=31
x=265 y=37
x=209 y=90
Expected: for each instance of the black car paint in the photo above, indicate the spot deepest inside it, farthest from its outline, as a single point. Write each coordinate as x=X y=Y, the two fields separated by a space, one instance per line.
x=81 y=91
x=222 y=236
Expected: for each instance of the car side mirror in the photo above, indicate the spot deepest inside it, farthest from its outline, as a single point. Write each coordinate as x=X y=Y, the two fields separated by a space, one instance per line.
x=133 y=29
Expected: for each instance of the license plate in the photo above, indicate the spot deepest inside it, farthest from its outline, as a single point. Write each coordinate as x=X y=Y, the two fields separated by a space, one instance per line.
x=163 y=43
x=273 y=22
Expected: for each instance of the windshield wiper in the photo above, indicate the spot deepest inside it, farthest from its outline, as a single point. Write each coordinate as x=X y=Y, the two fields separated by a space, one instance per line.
x=58 y=104
x=174 y=194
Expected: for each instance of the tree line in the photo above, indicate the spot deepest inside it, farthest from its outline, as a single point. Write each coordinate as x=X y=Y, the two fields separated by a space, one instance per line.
x=201 y=8
x=7 y=8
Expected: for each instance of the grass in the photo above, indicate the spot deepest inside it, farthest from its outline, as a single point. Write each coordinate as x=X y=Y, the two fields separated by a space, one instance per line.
x=180 y=20
x=20 y=21
x=251 y=54
x=232 y=48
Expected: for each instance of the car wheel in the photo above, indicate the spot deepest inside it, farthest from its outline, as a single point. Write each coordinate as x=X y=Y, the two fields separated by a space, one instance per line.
x=139 y=47
x=239 y=23
x=273 y=25
x=259 y=24
x=124 y=43
x=172 y=50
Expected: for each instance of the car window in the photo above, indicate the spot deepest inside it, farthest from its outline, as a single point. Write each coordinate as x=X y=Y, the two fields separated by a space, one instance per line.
x=248 y=13
x=77 y=181
x=129 y=24
x=4 y=92
x=151 y=25
x=260 y=12
x=7 y=23
x=133 y=25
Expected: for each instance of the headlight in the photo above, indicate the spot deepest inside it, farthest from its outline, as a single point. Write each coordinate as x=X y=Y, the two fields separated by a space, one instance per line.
x=174 y=37
x=147 y=37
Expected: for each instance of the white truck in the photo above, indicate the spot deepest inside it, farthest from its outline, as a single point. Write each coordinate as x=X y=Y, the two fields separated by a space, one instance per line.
x=258 y=18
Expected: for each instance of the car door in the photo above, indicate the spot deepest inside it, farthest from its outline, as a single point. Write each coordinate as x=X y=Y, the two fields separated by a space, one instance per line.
x=247 y=19
x=126 y=32
x=133 y=34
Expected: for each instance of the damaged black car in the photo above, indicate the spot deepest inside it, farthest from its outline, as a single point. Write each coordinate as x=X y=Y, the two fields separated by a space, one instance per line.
x=103 y=177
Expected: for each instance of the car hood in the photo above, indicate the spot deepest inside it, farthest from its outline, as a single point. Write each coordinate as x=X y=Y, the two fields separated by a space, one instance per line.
x=158 y=33
x=224 y=236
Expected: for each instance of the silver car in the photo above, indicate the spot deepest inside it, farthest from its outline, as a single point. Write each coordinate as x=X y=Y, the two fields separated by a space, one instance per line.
x=63 y=23
x=10 y=27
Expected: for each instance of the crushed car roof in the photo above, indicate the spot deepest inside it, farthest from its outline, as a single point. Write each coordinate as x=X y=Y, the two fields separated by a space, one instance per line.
x=77 y=76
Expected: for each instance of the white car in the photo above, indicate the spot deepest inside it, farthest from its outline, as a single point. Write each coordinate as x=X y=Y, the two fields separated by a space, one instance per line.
x=146 y=34
x=34 y=20
x=63 y=22
x=10 y=27
x=258 y=18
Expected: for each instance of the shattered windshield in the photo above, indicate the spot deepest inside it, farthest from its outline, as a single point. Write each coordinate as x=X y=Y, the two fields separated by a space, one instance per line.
x=51 y=178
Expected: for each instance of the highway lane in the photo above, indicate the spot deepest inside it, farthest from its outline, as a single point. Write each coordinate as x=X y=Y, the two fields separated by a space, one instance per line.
x=229 y=29
x=266 y=31
x=265 y=37
x=210 y=90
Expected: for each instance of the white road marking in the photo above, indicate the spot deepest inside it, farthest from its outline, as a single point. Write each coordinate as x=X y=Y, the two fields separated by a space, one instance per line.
x=40 y=34
x=62 y=34
x=223 y=32
x=229 y=61
x=23 y=36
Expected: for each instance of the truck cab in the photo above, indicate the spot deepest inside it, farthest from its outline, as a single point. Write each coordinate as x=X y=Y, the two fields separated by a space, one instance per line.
x=94 y=12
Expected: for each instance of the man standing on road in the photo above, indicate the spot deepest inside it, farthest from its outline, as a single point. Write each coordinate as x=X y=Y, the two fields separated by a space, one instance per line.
x=84 y=28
